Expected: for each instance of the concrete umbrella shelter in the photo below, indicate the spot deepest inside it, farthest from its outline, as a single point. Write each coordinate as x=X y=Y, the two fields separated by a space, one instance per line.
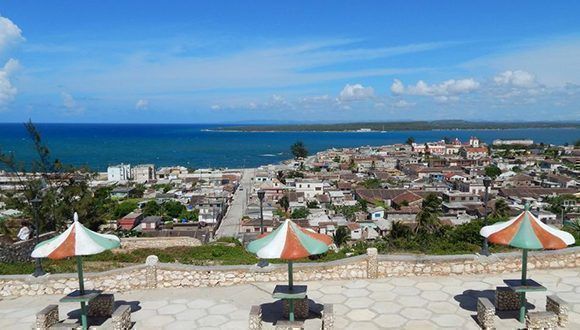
x=76 y=241
x=290 y=242
x=526 y=232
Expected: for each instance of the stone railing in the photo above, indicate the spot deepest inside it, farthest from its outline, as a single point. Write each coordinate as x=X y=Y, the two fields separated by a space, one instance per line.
x=132 y=243
x=371 y=265
x=20 y=251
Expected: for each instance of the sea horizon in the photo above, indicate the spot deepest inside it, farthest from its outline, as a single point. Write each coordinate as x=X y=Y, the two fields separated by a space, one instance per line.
x=201 y=145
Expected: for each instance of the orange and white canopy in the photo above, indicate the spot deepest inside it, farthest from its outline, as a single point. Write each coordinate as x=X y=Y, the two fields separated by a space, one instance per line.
x=290 y=242
x=527 y=232
x=77 y=240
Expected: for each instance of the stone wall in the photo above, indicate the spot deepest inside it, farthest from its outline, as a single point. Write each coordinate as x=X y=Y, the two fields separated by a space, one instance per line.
x=158 y=275
x=20 y=251
x=416 y=265
x=132 y=243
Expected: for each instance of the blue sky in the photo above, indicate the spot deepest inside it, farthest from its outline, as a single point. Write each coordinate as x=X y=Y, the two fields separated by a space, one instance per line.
x=299 y=61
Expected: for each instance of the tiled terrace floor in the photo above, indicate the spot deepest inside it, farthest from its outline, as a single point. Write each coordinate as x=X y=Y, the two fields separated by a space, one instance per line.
x=402 y=303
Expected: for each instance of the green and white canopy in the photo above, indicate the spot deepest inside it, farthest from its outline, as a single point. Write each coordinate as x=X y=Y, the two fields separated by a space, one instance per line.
x=77 y=240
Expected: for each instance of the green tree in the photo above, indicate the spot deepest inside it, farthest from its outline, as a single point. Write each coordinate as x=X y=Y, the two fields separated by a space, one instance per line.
x=410 y=140
x=62 y=188
x=372 y=183
x=152 y=208
x=428 y=218
x=300 y=213
x=299 y=150
x=284 y=203
x=492 y=171
x=312 y=204
x=501 y=209
x=124 y=208
x=341 y=236
x=173 y=208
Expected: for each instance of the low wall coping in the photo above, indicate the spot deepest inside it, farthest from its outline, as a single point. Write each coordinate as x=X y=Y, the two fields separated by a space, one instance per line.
x=282 y=266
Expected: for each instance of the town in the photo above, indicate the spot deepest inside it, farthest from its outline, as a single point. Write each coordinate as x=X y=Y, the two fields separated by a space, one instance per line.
x=363 y=190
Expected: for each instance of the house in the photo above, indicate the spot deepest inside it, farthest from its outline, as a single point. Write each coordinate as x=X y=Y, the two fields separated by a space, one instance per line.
x=122 y=192
x=310 y=188
x=152 y=222
x=377 y=213
x=407 y=198
x=118 y=173
x=143 y=173
x=355 y=230
x=520 y=180
x=130 y=221
x=472 y=187
x=559 y=181
x=473 y=152
x=547 y=217
x=404 y=214
x=253 y=225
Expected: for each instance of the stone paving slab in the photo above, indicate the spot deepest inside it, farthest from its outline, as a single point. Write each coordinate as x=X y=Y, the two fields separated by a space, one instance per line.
x=395 y=303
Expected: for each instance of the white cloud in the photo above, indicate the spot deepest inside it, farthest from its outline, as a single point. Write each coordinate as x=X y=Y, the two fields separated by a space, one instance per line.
x=403 y=104
x=10 y=33
x=142 y=104
x=517 y=78
x=70 y=104
x=441 y=93
x=7 y=90
x=216 y=107
x=356 y=92
x=397 y=87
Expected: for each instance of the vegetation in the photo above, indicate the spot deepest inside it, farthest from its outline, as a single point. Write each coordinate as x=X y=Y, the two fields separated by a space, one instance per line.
x=410 y=140
x=284 y=203
x=300 y=213
x=341 y=236
x=299 y=150
x=403 y=126
x=372 y=184
x=62 y=189
x=124 y=208
x=492 y=171
x=428 y=218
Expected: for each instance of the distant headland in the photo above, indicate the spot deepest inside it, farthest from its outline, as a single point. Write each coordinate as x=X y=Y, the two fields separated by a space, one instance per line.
x=398 y=126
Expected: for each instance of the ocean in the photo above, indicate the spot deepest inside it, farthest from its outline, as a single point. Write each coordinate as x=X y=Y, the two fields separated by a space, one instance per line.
x=198 y=146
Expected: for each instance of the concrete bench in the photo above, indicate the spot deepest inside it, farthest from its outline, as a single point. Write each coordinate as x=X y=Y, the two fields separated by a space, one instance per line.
x=541 y=320
x=102 y=305
x=559 y=307
x=485 y=313
x=120 y=320
x=46 y=318
x=328 y=317
x=506 y=299
x=255 y=320
x=289 y=325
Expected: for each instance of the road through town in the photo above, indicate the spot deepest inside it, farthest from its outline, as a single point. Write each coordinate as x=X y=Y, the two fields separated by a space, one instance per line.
x=230 y=224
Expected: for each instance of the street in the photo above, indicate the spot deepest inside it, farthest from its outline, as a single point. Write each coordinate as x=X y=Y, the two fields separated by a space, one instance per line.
x=230 y=224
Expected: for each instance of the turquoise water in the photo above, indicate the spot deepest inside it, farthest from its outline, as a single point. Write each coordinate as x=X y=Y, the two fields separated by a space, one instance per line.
x=99 y=145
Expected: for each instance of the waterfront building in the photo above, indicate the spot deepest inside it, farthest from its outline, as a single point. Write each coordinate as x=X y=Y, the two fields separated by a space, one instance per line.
x=117 y=173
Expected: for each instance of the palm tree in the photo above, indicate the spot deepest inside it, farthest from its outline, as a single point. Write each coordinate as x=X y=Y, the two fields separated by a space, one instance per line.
x=501 y=209
x=341 y=236
x=428 y=218
x=284 y=203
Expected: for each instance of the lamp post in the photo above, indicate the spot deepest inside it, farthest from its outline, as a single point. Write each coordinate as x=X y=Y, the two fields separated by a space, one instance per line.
x=261 y=194
x=486 y=183
x=36 y=202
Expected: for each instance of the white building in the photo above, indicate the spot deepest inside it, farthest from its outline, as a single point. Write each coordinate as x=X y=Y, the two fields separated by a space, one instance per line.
x=118 y=173
x=310 y=188
x=143 y=173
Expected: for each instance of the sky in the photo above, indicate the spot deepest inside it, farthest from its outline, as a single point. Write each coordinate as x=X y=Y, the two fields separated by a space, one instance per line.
x=288 y=61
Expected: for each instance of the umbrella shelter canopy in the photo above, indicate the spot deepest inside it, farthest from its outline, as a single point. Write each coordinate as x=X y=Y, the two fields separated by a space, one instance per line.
x=76 y=241
x=290 y=242
x=527 y=233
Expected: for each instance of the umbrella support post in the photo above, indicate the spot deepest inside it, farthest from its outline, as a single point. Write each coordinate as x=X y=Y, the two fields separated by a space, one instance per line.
x=290 y=287
x=82 y=291
x=523 y=294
